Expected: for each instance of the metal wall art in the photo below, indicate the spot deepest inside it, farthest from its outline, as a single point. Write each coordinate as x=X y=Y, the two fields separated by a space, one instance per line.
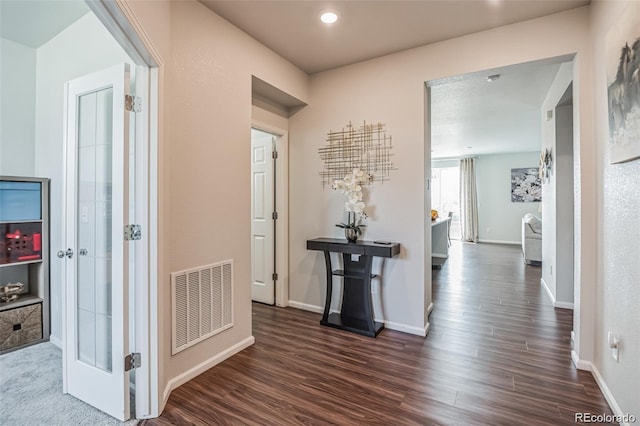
x=367 y=148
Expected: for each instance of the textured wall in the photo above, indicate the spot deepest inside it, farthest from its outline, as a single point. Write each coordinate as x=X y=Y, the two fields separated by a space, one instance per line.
x=618 y=189
x=205 y=173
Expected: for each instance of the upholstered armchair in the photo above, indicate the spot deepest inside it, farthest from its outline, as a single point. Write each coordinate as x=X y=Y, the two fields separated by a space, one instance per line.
x=531 y=238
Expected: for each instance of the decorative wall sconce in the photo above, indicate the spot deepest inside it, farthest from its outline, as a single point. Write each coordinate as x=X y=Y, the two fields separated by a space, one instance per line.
x=367 y=148
x=546 y=161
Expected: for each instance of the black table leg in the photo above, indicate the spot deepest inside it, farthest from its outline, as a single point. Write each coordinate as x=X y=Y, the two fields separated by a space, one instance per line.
x=327 y=303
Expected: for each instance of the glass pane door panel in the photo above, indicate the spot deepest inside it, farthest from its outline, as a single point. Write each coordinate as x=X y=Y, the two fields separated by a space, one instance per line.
x=94 y=223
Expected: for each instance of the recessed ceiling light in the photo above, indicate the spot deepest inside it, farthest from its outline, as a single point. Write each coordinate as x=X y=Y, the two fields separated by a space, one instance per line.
x=493 y=78
x=469 y=147
x=328 y=17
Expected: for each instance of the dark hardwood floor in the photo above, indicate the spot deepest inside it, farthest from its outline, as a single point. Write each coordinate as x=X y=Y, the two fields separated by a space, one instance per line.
x=497 y=353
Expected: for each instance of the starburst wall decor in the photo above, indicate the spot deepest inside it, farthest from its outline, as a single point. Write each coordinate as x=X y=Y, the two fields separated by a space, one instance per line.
x=367 y=148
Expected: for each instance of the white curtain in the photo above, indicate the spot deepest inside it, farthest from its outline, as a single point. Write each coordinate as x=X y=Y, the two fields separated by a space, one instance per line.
x=468 y=200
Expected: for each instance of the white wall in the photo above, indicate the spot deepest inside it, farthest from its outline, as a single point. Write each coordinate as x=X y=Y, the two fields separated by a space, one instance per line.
x=552 y=223
x=618 y=268
x=84 y=47
x=390 y=89
x=500 y=219
x=18 y=109
x=564 y=188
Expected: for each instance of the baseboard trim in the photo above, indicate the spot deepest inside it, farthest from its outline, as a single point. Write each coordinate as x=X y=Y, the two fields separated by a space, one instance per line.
x=56 y=342
x=418 y=331
x=608 y=395
x=554 y=302
x=578 y=363
x=563 y=305
x=306 y=307
x=604 y=388
x=202 y=367
x=429 y=309
x=546 y=287
x=516 y=243
x=388 y=324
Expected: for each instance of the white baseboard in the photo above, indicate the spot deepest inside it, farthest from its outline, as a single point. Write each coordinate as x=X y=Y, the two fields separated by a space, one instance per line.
x=306 y=307
x=440 y=255
x=563 y=305
x=388 y=324
x=56 y=341
x=418 y=331
x=546 y=287
x=517 y=243
x=578 y=363
x=429 y=309
x=604 y=388
x=554 y=302
x=608 y=395
x=202 y=367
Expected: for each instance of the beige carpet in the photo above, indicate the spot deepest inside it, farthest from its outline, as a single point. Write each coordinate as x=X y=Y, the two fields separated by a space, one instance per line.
x=31 y=391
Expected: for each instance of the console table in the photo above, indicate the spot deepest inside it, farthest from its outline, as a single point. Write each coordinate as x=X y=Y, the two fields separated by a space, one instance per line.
x=356 y=314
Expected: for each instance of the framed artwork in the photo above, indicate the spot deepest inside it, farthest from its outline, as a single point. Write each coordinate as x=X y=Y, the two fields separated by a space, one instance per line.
x=622 y=47
x=526 y=185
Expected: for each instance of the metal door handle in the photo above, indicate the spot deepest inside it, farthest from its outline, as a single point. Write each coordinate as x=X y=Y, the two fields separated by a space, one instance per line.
x=68 y=253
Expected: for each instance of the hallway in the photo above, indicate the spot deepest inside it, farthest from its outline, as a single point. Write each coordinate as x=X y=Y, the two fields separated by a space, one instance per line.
x=497 y=353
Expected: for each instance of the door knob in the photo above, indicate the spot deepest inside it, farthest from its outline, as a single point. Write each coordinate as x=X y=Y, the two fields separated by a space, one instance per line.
x=68 y=253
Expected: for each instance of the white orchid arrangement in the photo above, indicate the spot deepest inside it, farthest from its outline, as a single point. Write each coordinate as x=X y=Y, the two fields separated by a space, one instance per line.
x=351 y=186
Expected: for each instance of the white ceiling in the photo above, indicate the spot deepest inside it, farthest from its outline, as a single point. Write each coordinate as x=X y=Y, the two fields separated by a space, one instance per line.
x=368 y=29
x=34 y=22
x=471 y=116
x=498 y=117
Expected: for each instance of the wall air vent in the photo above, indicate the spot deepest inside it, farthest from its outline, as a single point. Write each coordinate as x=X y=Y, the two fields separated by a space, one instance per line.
x=201 y=304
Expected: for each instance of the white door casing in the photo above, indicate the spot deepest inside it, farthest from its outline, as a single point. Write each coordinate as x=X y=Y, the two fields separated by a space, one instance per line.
x=262 y=208
x=96 y=326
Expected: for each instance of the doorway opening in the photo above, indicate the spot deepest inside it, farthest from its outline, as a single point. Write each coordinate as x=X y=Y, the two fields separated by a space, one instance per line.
x=459 y=129
x=264 y=216
x=269 y=215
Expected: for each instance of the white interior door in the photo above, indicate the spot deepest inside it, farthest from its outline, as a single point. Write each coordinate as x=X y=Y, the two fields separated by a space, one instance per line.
x=262 y=208
x=96 y=326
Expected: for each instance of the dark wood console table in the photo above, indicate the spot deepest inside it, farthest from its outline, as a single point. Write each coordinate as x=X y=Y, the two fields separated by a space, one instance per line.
x=356 y=314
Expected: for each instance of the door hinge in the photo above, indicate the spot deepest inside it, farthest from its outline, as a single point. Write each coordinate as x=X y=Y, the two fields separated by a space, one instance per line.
x=133 y=103
x=274 y=215
x=274 y=154
x=274 y=276
x=132 y=361
x=132 y=232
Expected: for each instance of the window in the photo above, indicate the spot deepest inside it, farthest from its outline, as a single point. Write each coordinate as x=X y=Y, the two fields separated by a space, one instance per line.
x=445 y=195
